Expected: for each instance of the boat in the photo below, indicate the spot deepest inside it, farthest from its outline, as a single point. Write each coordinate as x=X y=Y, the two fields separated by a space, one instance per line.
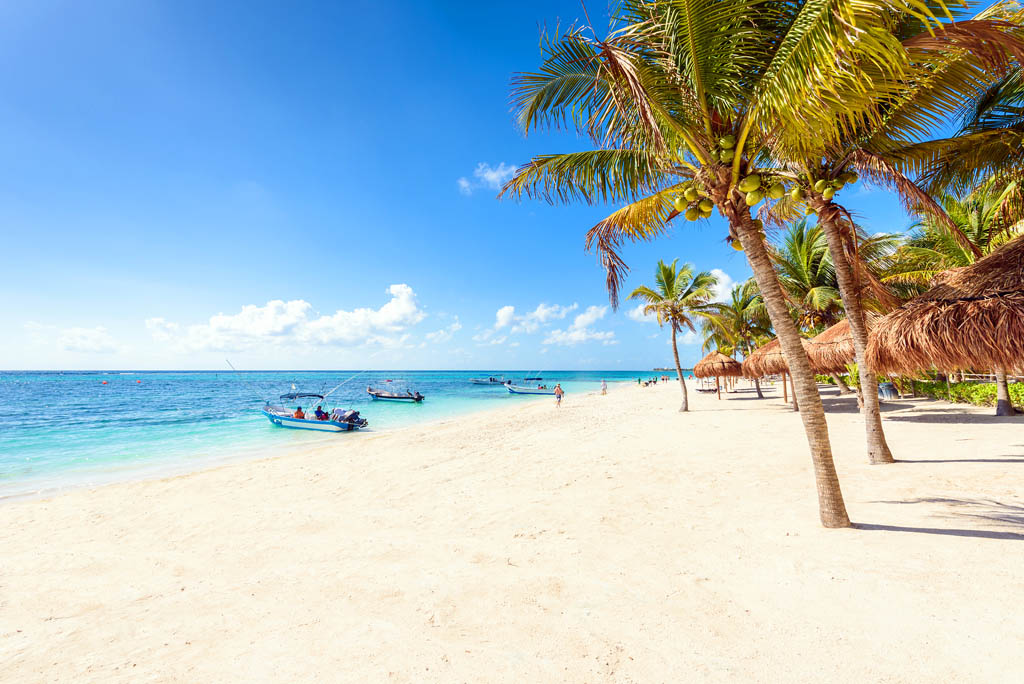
x=536 y=378
x=489 y=381
x=517 y=389
x=340 y=420
x=387 y=395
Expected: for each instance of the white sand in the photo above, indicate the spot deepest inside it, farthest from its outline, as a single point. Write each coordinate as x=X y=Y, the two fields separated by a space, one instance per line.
x=612 y=540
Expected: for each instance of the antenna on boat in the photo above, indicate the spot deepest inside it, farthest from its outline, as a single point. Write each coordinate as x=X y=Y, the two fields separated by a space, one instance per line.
x=251 y=386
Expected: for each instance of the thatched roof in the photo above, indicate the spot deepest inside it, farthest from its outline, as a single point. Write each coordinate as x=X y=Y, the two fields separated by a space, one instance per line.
x=972 y=317
x=767 y=360
x=717 y=364
x=830 y=351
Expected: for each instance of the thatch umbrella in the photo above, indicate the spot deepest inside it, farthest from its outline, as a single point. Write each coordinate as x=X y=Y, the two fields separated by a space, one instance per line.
x=972 y=317
x=768 y=360
x=716 y=364
x=832 y=350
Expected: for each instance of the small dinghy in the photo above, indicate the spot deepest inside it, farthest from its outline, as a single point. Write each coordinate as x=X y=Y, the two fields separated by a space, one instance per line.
x=540 y=389
x=338 y=420
x=489 y=381
x=391 y=395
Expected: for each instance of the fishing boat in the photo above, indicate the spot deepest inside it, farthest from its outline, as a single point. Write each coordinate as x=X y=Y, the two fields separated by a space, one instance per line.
x=390 y=395
x=517 y=389
x=338 y=420
x=534 y=378
x=489 y=381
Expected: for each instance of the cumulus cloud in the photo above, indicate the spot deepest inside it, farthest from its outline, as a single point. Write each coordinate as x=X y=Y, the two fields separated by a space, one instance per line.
x=723 y=290
x=278 y=321
x=444 y=334
x=80 y=340
x=638 y=315
x=580 y=330
x=504 y=317
x=530 y=322
x=486 y=176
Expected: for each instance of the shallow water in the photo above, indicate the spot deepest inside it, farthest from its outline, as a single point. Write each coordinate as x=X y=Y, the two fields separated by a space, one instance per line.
x=60 y=430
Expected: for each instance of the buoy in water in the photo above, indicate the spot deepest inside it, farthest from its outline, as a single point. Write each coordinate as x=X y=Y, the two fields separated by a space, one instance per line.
x=139 y=382
x=104 y=382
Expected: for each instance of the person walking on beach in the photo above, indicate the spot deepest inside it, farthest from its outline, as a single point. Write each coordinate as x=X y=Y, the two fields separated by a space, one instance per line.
x=604 y=387
x=558 y=395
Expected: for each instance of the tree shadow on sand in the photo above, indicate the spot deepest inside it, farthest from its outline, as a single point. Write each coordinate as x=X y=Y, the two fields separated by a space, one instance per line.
x=986 y=510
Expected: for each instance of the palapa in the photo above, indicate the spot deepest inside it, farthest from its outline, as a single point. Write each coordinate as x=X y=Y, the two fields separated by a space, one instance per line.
x=971 y=318
x=716 y=364
x=832 y=350
x=768 y=360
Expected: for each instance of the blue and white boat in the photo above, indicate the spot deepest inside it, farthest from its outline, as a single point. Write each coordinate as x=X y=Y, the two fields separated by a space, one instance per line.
x=395 y=395
x=337 y=420
x=490 y=381
x=542 y=390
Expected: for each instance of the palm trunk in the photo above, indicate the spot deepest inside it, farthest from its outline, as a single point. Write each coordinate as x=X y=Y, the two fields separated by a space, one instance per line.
x=679 y=371
x=841 y=384
x=831 y=508
x=878 y=449
x=792 y=393
x=757 y=386
x=1004 y=407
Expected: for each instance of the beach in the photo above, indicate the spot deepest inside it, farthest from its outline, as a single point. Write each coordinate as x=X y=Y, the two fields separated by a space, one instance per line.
x=611 y=540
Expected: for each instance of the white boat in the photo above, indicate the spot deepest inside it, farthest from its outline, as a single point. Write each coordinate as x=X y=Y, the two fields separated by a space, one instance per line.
x=489 y=381
x=339 y=420
x=390 y=395
x=516 y=389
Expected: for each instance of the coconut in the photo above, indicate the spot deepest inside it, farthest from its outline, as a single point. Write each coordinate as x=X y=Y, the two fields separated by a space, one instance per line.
x=690 y=194
x=727 y=155
x=751 y=182
x=679 y=203
x=797 y=193
x=809 y=211
x=753 y=197
x=820 y=185
x=727 y=142
x=828 y=193
x=692 y=214
x=706 y=206
x=714 y=154
x=776 y=191
x=736 y=245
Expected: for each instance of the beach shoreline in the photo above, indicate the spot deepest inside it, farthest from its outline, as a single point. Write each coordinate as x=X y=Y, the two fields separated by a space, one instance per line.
x=612 y=539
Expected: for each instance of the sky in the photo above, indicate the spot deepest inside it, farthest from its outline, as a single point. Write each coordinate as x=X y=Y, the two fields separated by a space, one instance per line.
x=304 y=185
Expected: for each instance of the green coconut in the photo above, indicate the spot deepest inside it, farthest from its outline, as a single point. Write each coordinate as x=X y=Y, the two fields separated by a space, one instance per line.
x=753 y=197
x=727 y=142
x=714 y=154
x=828 y=193
x=776 y=191
x=797 y=193
x=749 y=183
x=736 y=245
x=809 y=211
x=690 y=194
x=727 y=155
x=680 y=203
x=692 y=214
x=706 y=206
x=820 y=185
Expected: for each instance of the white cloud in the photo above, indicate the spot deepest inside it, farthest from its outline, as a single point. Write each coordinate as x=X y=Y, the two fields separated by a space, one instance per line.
x=638 y=315
x=504 y=317
x=80 y=340
x=544 y=313
x=723 y=291
x=580 y=331
x=444 y=334
x=279 y=322
x=486 y=176
x=689 y=337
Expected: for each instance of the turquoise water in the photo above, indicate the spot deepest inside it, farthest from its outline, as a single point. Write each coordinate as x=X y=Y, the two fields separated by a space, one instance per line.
x=60 y=430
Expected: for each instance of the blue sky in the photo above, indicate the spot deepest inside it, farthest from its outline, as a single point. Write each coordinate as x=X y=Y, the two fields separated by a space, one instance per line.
x=301 y=185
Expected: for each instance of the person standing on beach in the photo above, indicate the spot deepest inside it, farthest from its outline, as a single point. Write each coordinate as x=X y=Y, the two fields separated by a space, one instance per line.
x=559 y=392
x=604 y=387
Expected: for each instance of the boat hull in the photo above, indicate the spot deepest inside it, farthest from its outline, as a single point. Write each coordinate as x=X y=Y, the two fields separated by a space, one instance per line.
x=305 y=424
x=408 y=400
x=530 y=390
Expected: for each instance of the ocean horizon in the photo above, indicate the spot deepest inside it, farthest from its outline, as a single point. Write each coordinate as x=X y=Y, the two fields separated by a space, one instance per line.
x=85 y=428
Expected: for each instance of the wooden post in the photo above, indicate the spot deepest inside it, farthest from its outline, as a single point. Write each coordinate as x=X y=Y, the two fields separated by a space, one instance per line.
x=785 y=389
x=792 y=390
x=718 y=388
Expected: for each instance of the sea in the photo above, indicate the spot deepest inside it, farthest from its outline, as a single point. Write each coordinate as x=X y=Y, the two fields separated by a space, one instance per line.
x=62 y=430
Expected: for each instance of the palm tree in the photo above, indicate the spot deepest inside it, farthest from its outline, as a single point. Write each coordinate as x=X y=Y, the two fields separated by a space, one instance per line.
x=677 y=295
x=738 y=323
x=807 y=275
x=684 y=100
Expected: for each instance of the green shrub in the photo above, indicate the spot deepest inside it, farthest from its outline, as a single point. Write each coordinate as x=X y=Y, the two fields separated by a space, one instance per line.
x=983 y=394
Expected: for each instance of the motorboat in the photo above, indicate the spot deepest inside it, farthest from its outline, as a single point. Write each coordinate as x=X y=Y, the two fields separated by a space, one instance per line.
x=390 y=395
x=336 y=420
x=540 y=389
x=489 y=381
